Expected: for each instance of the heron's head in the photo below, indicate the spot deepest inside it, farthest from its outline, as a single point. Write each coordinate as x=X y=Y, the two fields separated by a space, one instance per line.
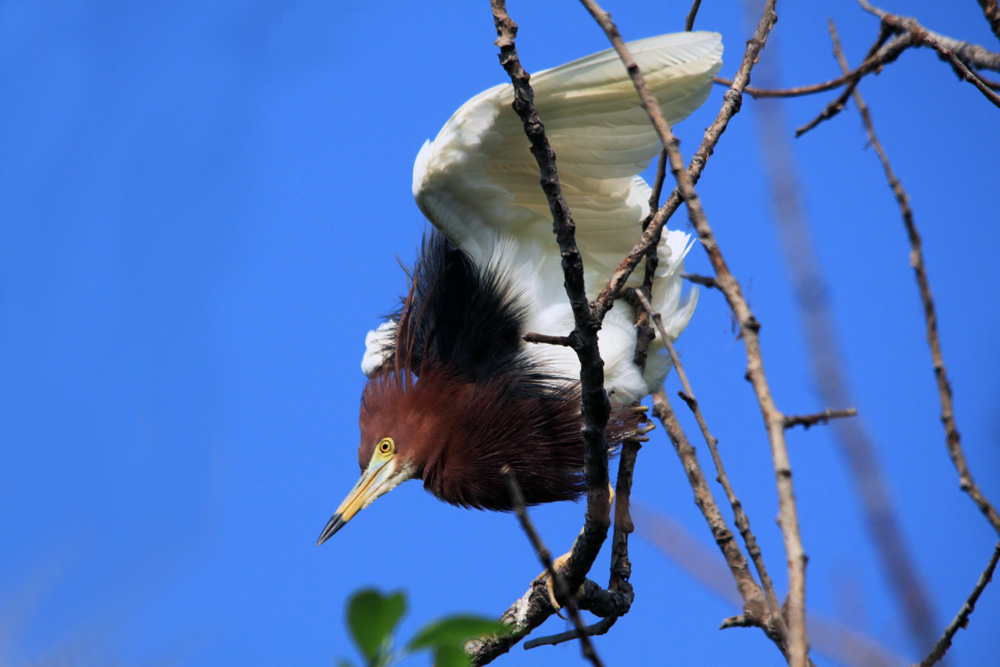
x=401 y=431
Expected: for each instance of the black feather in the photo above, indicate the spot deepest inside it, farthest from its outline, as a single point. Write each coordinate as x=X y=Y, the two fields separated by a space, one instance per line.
x=467 y=317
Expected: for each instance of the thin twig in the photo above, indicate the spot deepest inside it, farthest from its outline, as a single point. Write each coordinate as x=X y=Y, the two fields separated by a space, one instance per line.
x=565 y=341
x=875 y=53
x=755 y=605
x=558 y=582
x=961 y=620
x=740 y=517
x=819 y=418
x=952 y=439
x=967 y=74
x=971 y=54
x=874 y=62
x=599 y=628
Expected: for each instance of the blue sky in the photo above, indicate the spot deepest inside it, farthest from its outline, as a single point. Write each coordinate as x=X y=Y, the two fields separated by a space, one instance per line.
x=201 y=210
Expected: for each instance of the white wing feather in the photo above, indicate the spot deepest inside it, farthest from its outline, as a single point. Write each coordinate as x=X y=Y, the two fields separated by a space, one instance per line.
x=478 y=183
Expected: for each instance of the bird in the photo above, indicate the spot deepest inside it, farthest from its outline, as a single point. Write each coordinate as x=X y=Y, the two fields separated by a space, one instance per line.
x=454 y=392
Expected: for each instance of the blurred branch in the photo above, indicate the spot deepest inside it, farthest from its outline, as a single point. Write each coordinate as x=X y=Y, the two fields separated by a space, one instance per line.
x=961 y=620
x=952 y=439
x=992 y=13
x=834 y=640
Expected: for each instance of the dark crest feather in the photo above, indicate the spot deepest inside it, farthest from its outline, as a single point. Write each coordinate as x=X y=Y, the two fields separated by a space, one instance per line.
x=465 y=317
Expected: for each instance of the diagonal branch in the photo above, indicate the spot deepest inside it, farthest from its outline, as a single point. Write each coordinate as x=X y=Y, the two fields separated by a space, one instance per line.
x=961 y=619
x=739 y=516
x=749 y=327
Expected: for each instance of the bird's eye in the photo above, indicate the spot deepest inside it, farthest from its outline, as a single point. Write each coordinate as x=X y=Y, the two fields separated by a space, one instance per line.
x=386 y=446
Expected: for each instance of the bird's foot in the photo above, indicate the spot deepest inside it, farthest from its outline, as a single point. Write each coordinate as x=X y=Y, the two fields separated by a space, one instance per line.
x=640 y=433
x=559 y=562
x=550 y=585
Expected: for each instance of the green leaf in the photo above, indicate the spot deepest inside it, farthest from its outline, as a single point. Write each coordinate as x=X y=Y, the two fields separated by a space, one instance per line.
x=450 y=656
x=453 y=631
x=372 y=617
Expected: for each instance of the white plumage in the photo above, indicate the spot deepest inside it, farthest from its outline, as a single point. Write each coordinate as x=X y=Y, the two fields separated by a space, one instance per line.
x=478 y=183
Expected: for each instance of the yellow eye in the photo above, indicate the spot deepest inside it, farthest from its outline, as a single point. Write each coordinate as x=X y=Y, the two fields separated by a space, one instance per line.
x=386 y=446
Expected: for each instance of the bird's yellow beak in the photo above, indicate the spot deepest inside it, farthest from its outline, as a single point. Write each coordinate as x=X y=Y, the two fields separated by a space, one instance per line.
x=376 y=480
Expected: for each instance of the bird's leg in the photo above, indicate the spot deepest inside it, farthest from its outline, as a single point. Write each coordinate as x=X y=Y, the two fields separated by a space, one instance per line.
x=559 y=562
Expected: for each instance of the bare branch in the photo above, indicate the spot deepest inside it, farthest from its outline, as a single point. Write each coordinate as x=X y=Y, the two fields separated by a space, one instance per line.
x=532 y=608
x=692 y=13
x=952 y=439
x=751 y=593
x=732 y=102
x=824 y=417
x=749 y=327
x=967 y=74
x=740 y=517
x=599 y=628
x=595 y=405
x=558 y=582
x=971 y=54
x=566 y=341
x=961 y=620
x=876 y=53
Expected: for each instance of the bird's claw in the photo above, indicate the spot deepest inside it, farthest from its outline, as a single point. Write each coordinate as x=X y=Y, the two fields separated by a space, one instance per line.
x=641 y=431
x=557 y=565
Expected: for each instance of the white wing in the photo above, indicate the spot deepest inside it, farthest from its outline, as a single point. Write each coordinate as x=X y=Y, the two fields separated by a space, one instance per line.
x=478 y=177
x=479 y=184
